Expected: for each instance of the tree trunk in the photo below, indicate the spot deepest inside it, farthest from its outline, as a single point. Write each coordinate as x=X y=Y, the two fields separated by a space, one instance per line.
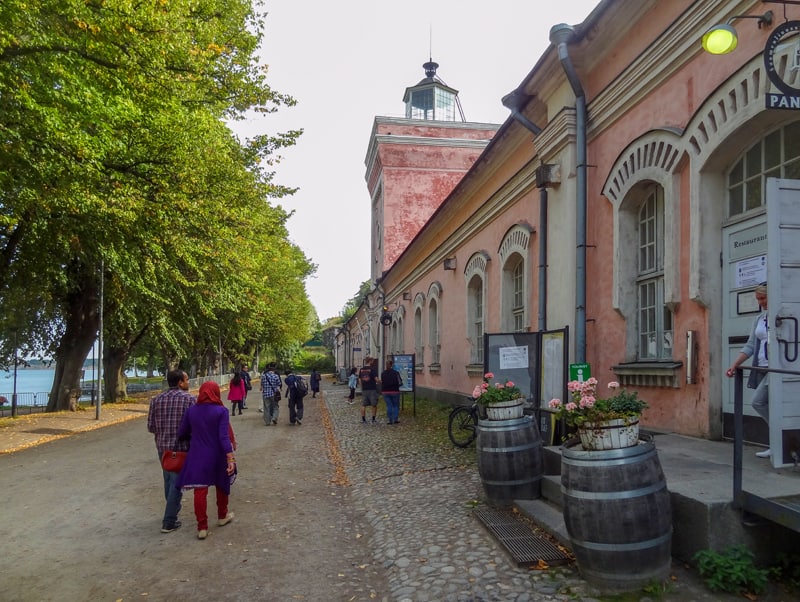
x=114 y=373
x=82 y=322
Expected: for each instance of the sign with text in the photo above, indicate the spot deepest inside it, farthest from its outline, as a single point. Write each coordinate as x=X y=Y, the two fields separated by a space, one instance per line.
x=404 y=364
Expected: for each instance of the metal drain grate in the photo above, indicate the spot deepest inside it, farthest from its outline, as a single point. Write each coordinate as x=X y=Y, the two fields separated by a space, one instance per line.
x=526 y=547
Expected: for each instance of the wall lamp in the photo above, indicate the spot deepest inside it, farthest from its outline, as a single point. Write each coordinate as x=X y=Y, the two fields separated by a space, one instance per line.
x=722 y=39
x=450 y=263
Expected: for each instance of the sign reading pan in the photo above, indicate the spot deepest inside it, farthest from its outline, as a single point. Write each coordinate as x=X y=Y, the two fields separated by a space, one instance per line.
x=777 y=43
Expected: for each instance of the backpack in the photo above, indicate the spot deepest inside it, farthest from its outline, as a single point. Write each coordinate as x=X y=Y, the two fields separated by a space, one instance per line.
x=300 y=386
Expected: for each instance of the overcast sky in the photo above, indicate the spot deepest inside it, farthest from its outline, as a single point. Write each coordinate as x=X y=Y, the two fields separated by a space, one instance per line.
x=349 y=61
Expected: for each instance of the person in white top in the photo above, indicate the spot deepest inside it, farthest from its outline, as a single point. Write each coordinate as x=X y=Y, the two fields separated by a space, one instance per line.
x=756 y=347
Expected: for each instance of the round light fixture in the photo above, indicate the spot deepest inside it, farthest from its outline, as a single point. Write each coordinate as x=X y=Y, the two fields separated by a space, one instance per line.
x=720 y=39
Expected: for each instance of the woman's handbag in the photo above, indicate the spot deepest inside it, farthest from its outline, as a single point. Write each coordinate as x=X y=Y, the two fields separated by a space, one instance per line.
x=172 y=460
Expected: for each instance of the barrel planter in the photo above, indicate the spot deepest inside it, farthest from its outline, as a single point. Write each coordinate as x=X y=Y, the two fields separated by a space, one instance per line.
x=505 y=410
x=617 y=514
x=510 y=461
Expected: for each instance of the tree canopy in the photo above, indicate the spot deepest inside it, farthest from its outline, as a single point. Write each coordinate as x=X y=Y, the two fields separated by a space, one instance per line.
x=119 y=175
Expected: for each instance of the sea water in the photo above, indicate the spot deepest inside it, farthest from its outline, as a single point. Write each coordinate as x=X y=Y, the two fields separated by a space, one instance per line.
x=33 y=384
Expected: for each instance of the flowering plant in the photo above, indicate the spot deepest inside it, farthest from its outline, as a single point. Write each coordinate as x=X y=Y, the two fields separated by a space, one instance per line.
x=486 y=394
x=586 y=407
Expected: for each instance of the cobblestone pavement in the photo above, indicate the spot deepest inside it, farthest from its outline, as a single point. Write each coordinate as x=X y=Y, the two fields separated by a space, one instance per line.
x=418 y=492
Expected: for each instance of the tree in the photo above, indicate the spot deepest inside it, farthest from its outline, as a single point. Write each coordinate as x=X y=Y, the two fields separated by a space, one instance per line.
x=112 y=121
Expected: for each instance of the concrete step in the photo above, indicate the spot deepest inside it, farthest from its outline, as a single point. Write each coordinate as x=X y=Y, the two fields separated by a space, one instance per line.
x=698 y=473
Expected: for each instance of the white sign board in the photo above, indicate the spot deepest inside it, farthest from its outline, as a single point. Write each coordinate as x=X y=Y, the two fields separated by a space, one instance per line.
x=513 y=357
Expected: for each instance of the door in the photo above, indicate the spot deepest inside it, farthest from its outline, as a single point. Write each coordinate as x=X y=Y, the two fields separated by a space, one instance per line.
x=744 y=258
x=783 y=271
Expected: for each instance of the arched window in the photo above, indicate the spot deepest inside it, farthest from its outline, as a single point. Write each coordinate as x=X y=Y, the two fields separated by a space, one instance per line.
x=434 y=295
x=419 y=345
x=654 y=317
x=475 y=275
x=513 y=253
x=777 y=155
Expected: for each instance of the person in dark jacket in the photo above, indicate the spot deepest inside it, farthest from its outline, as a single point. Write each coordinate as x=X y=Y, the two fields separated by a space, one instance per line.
x=390 y=388
x=294 y=397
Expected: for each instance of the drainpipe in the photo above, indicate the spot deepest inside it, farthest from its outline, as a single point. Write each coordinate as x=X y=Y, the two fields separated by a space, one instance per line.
x=513 y=101
x=543 y=257
x=559 y=36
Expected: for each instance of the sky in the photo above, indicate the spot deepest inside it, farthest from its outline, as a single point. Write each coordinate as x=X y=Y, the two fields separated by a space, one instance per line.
x=347 y=62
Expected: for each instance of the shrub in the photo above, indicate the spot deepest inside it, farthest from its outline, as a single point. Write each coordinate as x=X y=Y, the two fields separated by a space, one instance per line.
x=731 y=570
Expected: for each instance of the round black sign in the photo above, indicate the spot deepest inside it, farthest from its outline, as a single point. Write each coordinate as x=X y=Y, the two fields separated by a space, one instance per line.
x=781 y=33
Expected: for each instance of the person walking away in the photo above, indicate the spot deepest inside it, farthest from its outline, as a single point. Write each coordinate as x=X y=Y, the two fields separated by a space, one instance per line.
x=756 y=347
x=390 y=388
x=210 y=460
x=248 y=384
x=314 y=378
x=236 y=393
x=270 y=394
x=352 y=382
x=163 y=420
x=295 y=395
x=369 y=391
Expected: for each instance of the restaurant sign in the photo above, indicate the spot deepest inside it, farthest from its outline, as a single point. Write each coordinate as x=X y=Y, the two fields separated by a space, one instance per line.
x=785 y=36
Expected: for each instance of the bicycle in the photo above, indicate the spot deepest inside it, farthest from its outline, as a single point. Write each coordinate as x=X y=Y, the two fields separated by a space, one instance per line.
x=462 y=425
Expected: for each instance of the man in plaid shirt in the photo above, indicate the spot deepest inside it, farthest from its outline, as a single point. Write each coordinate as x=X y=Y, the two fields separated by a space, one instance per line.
x=270 y=386
x=163 y=420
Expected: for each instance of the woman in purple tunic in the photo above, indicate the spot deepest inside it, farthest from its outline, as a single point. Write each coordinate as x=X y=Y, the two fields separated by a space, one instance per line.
x=210 y=460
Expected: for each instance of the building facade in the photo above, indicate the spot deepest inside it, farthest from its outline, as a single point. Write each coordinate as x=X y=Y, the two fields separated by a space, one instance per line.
x=626 y=199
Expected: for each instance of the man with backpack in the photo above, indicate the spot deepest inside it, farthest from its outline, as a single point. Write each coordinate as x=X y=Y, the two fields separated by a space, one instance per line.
x=296 y=389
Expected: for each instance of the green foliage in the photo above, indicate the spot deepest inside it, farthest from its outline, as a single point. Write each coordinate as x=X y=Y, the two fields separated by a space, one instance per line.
x=318 y=359
x=787 y=570
x=731 y=570
x=355 y=302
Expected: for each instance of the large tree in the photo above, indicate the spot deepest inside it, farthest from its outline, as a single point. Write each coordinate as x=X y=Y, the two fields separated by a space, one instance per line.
x=119 y=175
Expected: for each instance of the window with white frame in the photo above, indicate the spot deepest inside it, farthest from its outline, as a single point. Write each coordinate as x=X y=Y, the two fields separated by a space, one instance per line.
x=776 y=155
x=514 y=287
x=434 y=297
x=419 y=345
x=654 y=318
x=475 y=277
x=475 y=312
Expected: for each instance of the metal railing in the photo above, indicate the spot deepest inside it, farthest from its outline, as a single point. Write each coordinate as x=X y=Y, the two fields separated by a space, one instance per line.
x=784 y=510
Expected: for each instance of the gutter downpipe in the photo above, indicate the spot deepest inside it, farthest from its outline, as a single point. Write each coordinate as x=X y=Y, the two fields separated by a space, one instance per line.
x=560 y=35
x=512 y=101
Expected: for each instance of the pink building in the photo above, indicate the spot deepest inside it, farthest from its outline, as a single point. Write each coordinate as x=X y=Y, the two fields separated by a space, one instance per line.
x=627 y=198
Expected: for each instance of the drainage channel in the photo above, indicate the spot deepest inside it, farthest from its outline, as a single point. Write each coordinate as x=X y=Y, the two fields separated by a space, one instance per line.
x=525 y=546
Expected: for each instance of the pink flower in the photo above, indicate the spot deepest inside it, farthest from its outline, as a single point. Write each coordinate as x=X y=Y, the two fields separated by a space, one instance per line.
x=498 y=385
x=592 y=381
x=573 y=386
x=571 y=406
x=484 y=386
x=554 y=403
x=489 y=375
x=509 y=384
x=613 y=385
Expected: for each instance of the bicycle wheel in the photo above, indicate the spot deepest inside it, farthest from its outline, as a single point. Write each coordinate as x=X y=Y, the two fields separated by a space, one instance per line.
x=461 y=426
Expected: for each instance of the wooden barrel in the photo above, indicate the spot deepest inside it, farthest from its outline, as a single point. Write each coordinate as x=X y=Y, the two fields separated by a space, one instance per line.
x=510 y=460
x=617 y=514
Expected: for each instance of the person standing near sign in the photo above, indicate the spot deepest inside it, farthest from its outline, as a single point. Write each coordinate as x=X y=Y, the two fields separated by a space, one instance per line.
x=390 y=387
x=369 y=391
x=756 y=347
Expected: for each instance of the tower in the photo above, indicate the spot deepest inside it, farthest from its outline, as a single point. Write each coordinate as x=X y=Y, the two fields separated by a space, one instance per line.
x=413 y=164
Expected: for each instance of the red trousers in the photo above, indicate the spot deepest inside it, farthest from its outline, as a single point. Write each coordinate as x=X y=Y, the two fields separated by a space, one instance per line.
x=200 y=505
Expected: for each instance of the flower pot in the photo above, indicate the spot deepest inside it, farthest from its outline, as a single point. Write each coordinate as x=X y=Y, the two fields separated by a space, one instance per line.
x=609 y=434
x=505 y=410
